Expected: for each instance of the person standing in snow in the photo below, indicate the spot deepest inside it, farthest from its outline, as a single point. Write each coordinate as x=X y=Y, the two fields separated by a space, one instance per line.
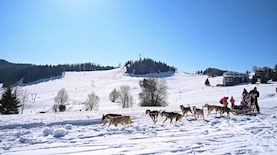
x=244 y=93
x=254 y=98
x=224 y=101
x=232 y=101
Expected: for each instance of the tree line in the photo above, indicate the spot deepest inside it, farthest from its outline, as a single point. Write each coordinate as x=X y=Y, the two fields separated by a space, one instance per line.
x=11 y=73
x=146 y=66
x=211 y=72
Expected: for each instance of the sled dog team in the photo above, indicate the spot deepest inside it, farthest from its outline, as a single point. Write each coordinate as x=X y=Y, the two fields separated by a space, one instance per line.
x=116 y=119
x=252 y=96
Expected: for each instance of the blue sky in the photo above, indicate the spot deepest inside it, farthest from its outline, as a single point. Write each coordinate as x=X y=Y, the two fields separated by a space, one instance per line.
x=189 y=34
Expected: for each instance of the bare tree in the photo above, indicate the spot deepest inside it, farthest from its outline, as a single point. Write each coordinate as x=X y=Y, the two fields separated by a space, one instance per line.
x=154 y=92
x=125 y=96
x=60 y=99
x=113 y=95
x=92 y=101
x=55 y=108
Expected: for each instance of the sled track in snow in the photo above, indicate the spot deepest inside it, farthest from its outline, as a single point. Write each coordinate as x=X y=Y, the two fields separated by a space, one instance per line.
x=216 y=136
x=254 y=137
x=237 y=130
x=42 y=124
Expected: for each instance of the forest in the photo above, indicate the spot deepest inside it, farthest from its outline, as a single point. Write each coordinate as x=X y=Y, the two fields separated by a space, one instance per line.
x=13 y=73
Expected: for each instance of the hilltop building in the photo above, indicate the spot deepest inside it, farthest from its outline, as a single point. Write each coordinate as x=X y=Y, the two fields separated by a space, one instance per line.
x=233 y=78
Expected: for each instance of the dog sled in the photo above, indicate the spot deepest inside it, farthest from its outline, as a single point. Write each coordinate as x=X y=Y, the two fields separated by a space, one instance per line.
x=244 y=111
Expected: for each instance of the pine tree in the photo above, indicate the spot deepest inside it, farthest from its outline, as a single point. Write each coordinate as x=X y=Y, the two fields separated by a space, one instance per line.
x=274 y=77
x=268 y=74
x=254 y=80
x=9 y=103
x=207 y=82
x=263 y=78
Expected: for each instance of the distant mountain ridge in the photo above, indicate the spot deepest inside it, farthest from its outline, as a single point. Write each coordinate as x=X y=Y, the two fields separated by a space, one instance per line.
x=11 y=73
x=4 y=63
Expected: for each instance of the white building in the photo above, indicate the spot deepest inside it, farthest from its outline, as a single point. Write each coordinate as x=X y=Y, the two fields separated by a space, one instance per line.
x=233 y=78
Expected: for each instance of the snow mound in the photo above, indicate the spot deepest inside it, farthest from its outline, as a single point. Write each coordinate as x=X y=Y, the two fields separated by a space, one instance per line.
x=60 y=133
x=47 y=132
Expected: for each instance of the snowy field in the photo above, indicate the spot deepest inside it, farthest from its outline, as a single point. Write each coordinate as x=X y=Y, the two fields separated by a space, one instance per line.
x=81 y=132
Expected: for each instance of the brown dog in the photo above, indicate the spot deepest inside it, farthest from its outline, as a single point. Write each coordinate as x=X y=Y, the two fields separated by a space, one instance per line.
x=211 y=108
x=107 y=115
x=198 y=112
x=171 y=116
x=123 y=120
x=222 y=110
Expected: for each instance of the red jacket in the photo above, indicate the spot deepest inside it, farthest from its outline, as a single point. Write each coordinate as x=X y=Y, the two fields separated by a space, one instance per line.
x=222 y=100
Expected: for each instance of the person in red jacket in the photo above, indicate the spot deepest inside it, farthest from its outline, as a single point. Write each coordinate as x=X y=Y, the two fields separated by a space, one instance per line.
x=224 y=101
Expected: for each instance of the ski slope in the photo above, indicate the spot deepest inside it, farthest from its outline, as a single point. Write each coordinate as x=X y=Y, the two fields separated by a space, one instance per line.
x=81 y=132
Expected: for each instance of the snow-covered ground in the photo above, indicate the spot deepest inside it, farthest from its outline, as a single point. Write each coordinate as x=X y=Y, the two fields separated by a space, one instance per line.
x=81 y=132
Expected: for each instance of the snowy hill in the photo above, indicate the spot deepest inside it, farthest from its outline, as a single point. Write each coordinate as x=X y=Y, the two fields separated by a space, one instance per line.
x=79 y=132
